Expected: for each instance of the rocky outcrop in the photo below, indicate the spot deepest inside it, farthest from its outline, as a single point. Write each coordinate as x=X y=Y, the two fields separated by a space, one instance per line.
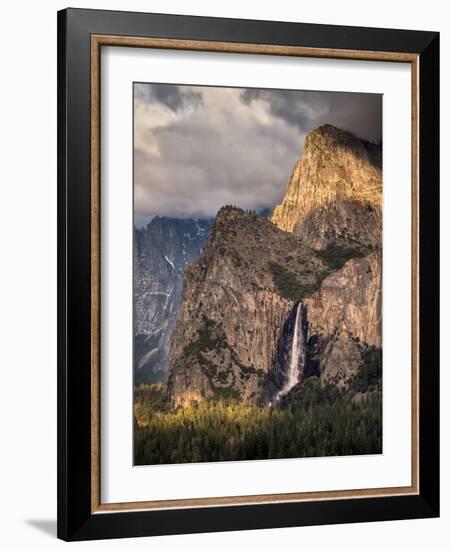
x=340 y=322
x=236 y=299
x=161 y=251
x=335 y=191
x=344 y=319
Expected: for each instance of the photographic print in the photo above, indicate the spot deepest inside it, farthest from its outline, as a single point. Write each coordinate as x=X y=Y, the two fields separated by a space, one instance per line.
x=257 y=273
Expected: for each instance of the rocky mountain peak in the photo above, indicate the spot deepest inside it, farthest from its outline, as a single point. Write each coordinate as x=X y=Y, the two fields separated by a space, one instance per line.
x=338 y=181
x=330 y=135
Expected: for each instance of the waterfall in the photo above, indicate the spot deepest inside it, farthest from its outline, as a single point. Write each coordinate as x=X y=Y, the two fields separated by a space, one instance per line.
x=297 y=355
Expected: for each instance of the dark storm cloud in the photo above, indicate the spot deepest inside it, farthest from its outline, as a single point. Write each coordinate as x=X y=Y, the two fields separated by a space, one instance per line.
x=173 y=96
x=360 y=114
x=199 y=148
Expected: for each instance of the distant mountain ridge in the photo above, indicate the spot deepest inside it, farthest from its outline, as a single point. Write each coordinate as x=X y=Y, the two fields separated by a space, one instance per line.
x=161 y=251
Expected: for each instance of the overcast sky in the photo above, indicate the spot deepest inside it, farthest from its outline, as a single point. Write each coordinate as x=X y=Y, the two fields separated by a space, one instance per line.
x=197 y=148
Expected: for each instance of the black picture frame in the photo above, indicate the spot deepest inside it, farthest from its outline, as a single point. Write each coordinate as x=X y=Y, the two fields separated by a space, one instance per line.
x=76 y=521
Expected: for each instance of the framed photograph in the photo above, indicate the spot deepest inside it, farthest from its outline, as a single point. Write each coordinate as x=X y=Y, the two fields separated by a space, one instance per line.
x=248 y=274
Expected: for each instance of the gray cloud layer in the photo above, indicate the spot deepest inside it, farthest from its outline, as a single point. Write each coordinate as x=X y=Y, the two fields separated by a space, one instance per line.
x=198 y=148
x=360 y=114
x=172 y=96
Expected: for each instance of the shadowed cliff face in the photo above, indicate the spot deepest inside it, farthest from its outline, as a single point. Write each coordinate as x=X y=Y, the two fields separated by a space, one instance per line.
x=161 y=251
x=321 y=252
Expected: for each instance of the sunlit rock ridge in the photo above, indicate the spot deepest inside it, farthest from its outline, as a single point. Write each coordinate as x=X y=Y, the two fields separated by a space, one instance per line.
x=335 y=190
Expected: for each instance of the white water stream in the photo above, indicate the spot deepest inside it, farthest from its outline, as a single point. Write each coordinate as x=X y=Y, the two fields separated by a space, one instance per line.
x=297 y=355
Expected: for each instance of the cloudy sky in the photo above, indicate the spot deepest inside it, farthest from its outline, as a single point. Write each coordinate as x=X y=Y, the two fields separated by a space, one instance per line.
x=197 y=148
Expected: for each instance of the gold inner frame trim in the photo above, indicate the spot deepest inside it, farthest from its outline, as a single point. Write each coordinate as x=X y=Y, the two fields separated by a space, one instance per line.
x=97 y=41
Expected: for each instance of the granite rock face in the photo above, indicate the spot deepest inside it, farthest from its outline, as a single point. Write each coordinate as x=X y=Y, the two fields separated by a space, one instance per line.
x=344 y=318
x=235 y=301
x=161 y=251
x=335 y=191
